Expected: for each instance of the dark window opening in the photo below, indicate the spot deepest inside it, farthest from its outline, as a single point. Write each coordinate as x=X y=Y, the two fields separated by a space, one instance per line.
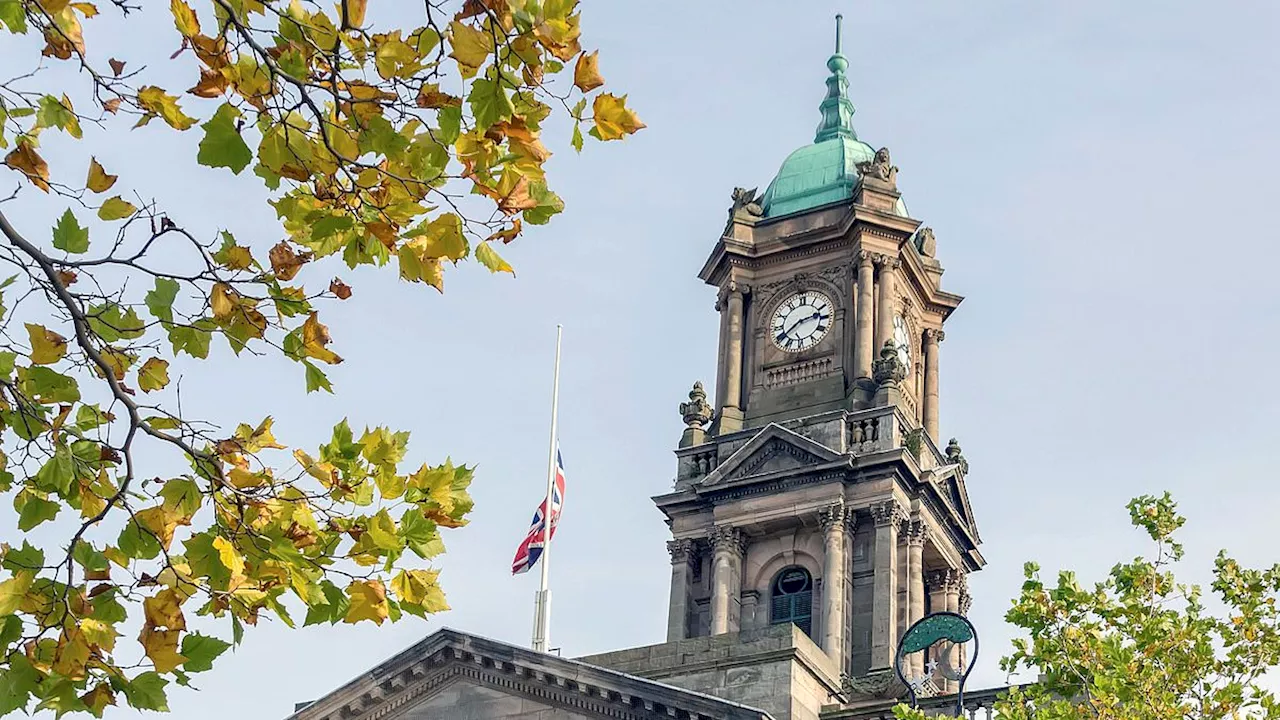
x=791 y=599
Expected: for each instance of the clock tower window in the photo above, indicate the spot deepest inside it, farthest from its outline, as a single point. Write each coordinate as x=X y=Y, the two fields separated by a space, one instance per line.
x=791 y=599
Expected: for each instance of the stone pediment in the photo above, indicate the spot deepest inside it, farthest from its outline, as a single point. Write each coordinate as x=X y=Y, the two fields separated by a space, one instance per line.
x=773 y=450
x=455 y=676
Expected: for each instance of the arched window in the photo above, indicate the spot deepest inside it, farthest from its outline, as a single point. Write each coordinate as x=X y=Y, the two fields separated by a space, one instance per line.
x=791 y=599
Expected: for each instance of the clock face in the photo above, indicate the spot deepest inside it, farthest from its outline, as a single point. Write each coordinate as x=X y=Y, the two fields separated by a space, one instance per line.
x=902 y=339
x=801 y=321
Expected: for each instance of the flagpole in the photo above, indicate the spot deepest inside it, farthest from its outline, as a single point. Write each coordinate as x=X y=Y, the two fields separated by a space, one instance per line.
x=542 y=601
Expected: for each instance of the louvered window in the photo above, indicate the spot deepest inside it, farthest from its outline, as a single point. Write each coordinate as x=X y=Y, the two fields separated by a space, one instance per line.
x=791 y=599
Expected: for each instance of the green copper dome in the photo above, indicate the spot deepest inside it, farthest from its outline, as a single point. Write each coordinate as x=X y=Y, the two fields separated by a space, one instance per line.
x=826 y=171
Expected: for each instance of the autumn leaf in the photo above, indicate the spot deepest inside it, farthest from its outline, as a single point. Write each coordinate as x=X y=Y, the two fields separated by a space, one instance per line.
x=153 y=375
x=507 y=234
x=164 y=609
x=354 y=10
x=285 y=262
x=156 y=101
x=368 y=602
x=488 y=257
x=98 y=181
x=116 y=208
x=339 y=288
x=586 y=73
x=314 y=339
x=471 y=47
x=161 y=647
x=612 y=118
x=430 y=96
x=212 y=84
x=27 y=161
x=420 y=587
x=47 y=346
x=117 y=66
x=222 y=301
x=184 y=18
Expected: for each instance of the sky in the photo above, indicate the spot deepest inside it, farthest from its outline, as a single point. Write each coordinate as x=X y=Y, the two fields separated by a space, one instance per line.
x=1101 y=179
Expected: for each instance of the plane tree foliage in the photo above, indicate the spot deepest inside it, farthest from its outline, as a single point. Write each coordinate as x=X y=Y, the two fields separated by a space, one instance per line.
x=405 y=146
x=1139 y=644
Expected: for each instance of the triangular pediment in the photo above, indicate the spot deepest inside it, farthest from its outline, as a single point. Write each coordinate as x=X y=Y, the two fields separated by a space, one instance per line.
x=456 y=676
x=774 y=450
x=949 y=482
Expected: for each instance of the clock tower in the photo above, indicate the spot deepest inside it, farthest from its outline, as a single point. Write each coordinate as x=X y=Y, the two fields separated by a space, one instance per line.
x=814 y=491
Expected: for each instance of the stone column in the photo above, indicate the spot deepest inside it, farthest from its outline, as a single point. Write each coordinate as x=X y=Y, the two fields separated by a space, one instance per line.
x=732 y=411
x=726 y=578
x=682 y=554
x=884 y=325
x=937 y=582
x=930 y=412
x=864 y=349
x=835 y=519
x=722 y=308
x=954 y=584
x=884 y=615
x=915 y=531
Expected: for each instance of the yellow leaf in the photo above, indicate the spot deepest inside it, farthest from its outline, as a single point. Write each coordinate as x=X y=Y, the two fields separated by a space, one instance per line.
x=222 y=301
x=490 y=259
x=613 y=120
x=420 y=587
x=161 y=647
x=153 y=375
x=471 y=47
x=368 y=602
x=14 y=590
x=27 y=161
x=184 y=18
x=99 y=181
x=162 y=522
x=98 y=633
x=230 y=558
x=586 y=73
x=355 y=12
x=47 y=346
x=72 y=655
x=244 y=479
x=98 y=699
x=252 y=439
x=115 y=208
x=87 y=9
x=430 y=96
x=322 y=471
x=156 y=101
x=314 y=339
x=164 y=609
x=212 y=84
x=441 y=238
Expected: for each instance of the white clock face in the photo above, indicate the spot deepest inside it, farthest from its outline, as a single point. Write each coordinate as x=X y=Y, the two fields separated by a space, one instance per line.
x=902 y=339
x=801 y=321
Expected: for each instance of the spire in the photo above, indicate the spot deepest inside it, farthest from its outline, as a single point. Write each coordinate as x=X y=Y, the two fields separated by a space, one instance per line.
x=837 y=108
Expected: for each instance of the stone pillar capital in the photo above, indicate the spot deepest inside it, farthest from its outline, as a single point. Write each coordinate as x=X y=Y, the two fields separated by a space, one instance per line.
x=933 y=335
x=866 y=259
x=738 y=288
x=886 y=262
x=966 y=601
x=682 y=550
x=726 y=538
x=915 y=531
x=836 y=516
x=887 y=513
x=939 y=580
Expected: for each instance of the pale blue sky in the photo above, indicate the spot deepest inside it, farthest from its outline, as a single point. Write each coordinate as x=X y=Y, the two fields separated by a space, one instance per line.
x=1101 y=177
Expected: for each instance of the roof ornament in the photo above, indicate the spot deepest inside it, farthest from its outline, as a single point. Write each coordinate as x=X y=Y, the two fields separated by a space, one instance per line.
x=880 y=168
x=837 y=109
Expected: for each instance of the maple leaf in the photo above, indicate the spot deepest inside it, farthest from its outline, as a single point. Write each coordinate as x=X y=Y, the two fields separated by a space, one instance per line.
x=153 y=375
x=368 y=602
x=340 y=289
x=613 y=120
x=285 y=262
x=98 y=181
x=47 y=346
x=27 y=161
x=586 y=73
x=314 y=339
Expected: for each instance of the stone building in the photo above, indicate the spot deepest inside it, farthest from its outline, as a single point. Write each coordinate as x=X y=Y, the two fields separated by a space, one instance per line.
x=816 y=512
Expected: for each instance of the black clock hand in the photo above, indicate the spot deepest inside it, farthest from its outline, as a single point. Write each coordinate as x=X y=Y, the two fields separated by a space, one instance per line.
x=815 y=316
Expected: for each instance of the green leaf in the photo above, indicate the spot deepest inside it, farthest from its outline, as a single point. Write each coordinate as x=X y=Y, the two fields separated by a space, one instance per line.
x=90 y=416
x=57 y=473
x=17 y=682
x=222 y=145
x=577 y=139
x=113 y=322
x=490 y=259
x=549 y=204
x=24 y=558
x=55 y=113
x=7 y=360
x=115 y=208
x=201 y=651
x=68 y=236
x=316 y=379
x=47 y=386
x=450 y=124
x=153 y=375
x=13 y=16
x=34 y=510
x=489 y=102
x=136 y=542
x=192 y=339
x=160 y=300
x=89 y=558
x=146 y=692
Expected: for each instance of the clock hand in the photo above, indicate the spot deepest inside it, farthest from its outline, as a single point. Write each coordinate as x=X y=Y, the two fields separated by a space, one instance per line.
x=815 y=316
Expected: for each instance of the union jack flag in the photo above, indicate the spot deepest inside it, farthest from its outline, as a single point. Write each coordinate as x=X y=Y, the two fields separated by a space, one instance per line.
x=531 y=549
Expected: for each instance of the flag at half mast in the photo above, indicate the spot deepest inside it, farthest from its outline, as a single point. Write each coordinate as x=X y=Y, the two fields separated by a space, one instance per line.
x=531 y=549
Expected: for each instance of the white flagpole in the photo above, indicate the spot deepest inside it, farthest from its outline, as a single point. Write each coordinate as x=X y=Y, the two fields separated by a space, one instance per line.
x=542 y=601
